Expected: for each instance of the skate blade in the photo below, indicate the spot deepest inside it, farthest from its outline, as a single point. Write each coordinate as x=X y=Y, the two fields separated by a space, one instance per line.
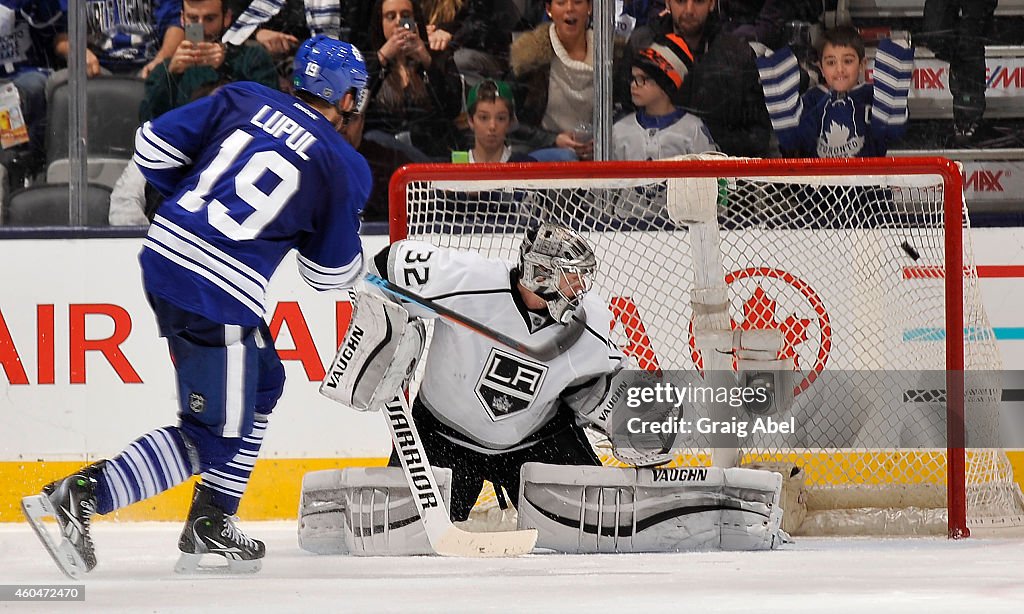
x=36 y=508
x=193 y=564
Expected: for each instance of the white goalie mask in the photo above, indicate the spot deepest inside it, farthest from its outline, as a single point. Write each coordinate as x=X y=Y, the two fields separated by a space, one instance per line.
x=559 y=266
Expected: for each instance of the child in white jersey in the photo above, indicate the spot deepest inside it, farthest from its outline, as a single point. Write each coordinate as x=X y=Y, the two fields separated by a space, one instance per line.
x=659 y=129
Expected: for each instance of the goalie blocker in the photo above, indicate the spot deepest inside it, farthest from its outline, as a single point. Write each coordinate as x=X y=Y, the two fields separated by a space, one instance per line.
x=379 y=352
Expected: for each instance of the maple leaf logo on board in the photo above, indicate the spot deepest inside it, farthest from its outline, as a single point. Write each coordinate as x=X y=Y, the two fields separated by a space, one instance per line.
x=759 y=312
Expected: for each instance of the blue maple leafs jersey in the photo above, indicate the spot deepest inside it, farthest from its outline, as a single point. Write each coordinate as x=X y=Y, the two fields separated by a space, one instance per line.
x=27 y=31
x=827 y=124
x=837 y=125
x=248 y=174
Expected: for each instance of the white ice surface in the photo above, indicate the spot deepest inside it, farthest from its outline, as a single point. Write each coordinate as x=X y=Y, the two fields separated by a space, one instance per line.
x=814 y=575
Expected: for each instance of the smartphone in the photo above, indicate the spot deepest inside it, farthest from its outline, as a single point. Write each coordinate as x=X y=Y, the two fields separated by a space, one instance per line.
x=194 y=33
x=407 y=23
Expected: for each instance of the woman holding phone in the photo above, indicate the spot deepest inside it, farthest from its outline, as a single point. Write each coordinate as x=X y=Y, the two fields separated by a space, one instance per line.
x=415 y=94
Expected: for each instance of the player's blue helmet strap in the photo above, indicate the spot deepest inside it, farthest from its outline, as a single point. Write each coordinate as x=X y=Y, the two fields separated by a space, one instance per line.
x=328 y=68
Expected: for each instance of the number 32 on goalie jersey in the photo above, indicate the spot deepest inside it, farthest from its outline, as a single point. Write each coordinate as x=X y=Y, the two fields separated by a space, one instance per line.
x=416 y=271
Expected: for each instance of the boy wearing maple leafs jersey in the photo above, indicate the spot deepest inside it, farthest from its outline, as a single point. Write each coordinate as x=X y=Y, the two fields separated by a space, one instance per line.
x=844 y=117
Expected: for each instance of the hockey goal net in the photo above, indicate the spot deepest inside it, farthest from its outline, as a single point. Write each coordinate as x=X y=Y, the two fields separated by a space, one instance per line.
x=865 y=268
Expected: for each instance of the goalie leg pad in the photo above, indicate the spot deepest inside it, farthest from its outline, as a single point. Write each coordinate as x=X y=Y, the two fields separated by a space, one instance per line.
x=606 y=509
x=794 y=493
x=363 y=512
x=760 y=368
x=752 y=516
x=378 y=354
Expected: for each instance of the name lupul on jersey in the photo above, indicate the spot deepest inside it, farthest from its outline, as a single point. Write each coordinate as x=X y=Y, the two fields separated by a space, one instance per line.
x=278 y=125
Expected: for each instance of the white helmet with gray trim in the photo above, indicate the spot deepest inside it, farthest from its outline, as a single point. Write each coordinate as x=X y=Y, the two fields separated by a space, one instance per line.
x=558 y=265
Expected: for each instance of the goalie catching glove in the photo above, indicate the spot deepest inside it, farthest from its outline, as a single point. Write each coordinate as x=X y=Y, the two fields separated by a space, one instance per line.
x=378 y=354
x=604 y=407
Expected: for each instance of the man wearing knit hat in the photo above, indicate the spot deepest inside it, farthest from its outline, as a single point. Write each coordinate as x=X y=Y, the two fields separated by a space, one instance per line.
x=660 y=129
x=722 y=88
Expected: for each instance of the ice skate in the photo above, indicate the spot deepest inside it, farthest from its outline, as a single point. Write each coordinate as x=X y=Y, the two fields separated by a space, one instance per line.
x=72 y=502
x=210 y=531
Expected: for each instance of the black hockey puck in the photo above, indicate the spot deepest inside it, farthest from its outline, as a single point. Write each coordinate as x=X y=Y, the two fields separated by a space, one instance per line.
x=910 y=251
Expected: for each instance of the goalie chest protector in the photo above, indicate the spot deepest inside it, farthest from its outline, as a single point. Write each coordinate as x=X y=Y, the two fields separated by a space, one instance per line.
x=491 y=393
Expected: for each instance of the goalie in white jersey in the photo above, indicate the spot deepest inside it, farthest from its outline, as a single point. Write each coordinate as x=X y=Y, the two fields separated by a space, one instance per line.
x=483 y=408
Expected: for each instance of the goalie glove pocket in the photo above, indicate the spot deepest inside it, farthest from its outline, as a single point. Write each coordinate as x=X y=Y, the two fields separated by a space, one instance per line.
x=607 y=408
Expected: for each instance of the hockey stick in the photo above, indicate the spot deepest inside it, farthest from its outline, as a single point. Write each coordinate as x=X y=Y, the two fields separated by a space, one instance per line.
x=445 y=538
x=544 y=351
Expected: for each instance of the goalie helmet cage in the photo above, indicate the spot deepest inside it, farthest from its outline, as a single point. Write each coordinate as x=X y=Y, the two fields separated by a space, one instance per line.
x=848 y=258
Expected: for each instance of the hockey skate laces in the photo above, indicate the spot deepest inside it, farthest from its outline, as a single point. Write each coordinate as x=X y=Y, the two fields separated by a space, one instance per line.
x=88 y=509
x=232 y=532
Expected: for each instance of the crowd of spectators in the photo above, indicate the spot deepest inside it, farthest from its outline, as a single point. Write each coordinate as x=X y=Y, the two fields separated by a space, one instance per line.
x=685 y=73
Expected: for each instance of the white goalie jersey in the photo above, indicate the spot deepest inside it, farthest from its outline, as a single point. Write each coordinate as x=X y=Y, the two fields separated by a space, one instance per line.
x=490 y=393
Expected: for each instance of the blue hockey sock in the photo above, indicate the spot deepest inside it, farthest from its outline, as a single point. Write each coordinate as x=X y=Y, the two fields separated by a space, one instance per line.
x=152 y=464
x=228 y=481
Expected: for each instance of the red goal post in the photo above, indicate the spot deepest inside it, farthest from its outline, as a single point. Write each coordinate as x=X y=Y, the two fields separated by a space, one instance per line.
x=819 y=222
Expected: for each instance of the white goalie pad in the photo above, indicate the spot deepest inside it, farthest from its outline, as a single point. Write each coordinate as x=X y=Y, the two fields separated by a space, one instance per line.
x=363 y=512
x=379 y=352
x=607 y=509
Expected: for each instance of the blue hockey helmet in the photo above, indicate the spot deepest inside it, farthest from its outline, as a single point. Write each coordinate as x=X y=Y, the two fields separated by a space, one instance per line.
x=329 y=68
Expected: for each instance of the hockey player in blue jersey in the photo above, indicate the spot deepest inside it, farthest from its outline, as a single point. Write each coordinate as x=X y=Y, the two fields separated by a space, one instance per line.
x=843 y=118
x=248 y=174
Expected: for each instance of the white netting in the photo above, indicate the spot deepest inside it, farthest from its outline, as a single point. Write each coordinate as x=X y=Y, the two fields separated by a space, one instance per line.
x=849 y=268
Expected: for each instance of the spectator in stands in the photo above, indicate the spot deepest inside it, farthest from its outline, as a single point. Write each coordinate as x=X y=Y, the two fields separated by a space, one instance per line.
x=280 y=25
x=129 y=38
x=765 y=21
x=722 y=88
x=660 y=129
x=526 y=15
x=196 y=66
x=28 y=29
x=195 y=70
x=954 y=31
x=842 y=118
x=491 y=110
x=415 y=94
x=477 y=31
x=414 y=97
x=643 y=11
x=553 y=66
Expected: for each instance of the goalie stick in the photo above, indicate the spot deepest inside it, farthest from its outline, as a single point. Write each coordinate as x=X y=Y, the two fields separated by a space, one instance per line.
x=544 y=351
x=445 y=538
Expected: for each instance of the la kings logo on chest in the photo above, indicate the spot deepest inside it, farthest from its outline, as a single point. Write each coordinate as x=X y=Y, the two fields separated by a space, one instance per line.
x=508 y=383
